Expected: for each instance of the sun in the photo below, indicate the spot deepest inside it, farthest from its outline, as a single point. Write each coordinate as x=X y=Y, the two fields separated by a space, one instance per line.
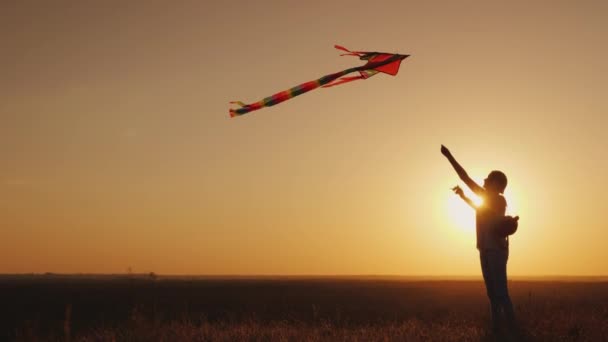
x=459 y=214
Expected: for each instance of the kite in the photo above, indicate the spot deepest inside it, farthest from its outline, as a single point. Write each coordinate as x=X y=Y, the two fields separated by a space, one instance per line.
x=377 y=62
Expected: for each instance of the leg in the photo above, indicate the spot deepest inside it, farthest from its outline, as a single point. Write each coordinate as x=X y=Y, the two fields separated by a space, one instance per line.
x=498 y=262
x=502 y=287
x=488 y=278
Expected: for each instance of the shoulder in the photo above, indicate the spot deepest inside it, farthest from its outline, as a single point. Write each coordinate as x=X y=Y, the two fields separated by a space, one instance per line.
x=502 y=201
x=498 y=202
x=501 y=204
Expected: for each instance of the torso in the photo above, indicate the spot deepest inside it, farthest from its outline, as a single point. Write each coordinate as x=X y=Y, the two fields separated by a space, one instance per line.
x=494 y=206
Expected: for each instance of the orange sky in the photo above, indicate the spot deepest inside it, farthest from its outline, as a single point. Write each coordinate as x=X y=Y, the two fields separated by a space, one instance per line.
x=117 y=149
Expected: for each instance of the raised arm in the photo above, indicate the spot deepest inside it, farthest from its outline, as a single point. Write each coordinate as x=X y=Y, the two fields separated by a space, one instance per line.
x=458 y=191
x=478 y=190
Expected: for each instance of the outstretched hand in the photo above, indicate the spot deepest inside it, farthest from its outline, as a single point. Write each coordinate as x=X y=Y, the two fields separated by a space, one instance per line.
x=458 y=190
x=445 y=151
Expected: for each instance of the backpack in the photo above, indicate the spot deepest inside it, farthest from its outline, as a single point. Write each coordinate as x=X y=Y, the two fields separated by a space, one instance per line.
x=507 y=225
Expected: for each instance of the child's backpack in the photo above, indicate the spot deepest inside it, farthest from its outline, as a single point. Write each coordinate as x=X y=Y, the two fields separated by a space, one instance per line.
x=507 y=226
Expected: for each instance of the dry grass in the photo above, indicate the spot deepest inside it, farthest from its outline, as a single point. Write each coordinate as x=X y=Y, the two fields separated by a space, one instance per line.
x=412 y=330
x=303 y=311
x=558 y=324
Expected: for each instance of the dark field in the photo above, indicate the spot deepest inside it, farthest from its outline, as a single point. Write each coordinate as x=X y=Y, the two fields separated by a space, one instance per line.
x=290 y=309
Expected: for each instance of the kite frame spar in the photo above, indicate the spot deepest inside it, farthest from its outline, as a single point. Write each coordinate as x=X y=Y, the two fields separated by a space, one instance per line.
x=387 y=63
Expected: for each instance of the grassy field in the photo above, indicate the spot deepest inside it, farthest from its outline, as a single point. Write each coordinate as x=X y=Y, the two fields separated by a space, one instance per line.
x=94 y=308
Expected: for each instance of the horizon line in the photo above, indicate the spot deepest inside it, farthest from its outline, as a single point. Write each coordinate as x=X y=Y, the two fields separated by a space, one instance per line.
x=309 y=276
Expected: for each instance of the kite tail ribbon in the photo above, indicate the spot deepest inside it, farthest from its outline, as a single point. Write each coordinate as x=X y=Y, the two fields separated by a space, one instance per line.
x=350 y=53
x=287 y=94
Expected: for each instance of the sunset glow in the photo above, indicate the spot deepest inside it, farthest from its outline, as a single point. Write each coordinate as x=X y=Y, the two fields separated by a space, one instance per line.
x=459 y=214
x=118 y=152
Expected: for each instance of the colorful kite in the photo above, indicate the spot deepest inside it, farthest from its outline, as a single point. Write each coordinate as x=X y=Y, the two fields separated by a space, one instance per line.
x=387 y=63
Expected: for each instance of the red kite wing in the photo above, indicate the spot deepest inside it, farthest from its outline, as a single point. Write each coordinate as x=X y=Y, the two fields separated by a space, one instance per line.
x=390 y=68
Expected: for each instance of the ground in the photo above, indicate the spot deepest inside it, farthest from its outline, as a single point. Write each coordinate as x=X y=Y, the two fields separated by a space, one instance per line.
x=144 y=308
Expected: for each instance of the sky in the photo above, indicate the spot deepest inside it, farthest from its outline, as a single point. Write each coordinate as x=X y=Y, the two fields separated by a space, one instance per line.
x=118 y=151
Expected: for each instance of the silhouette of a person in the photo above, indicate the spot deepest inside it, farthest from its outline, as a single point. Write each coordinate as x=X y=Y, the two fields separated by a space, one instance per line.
x=493 y=248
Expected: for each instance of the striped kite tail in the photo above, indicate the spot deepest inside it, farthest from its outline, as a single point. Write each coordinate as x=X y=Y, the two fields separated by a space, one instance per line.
x=286 y=94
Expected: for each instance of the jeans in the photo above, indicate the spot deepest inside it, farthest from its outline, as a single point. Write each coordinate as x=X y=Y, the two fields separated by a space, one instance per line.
x=494 y=269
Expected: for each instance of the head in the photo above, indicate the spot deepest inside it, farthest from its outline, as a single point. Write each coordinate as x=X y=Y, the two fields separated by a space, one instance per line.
x=496 y=181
